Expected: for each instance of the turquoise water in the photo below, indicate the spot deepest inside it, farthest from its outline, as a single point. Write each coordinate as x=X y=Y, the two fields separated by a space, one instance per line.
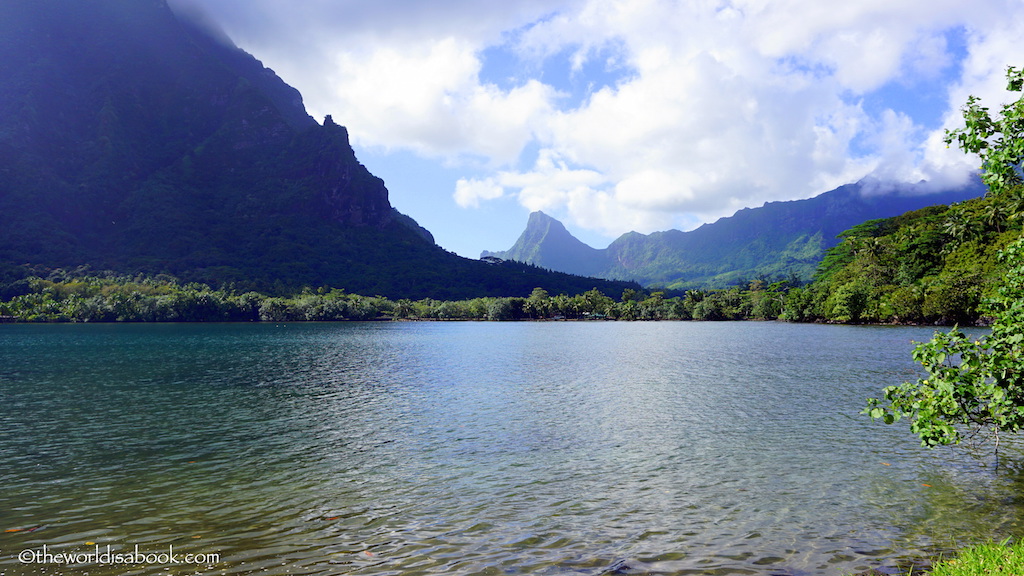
x=475 y=448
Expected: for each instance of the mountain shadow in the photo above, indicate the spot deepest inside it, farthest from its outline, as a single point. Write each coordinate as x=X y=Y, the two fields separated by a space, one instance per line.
x=135 y=140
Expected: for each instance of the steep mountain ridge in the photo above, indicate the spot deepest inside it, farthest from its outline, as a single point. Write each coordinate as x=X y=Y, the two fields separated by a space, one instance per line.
x=778 y=238
x=135 y=141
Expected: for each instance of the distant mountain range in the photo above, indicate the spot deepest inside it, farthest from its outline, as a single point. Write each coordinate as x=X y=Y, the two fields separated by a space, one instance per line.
x=777 y=239
x=136 y=141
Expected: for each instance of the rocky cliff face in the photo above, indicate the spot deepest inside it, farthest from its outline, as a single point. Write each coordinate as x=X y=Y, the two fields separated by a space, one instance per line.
x=348 y=192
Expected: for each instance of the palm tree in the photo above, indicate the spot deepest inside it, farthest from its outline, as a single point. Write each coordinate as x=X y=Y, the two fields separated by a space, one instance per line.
x=994 y=214
x=871 y=247
x=959 y=227
x=1014 y=202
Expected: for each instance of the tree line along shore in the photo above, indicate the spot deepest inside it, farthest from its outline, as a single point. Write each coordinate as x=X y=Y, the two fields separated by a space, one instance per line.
x=936 y=265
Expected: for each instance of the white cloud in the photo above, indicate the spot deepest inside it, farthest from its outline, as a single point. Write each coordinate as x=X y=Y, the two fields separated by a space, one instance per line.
x=427 y=97
x=469 y=192
x=725 y=104
x=551 y=182
x=733 y=107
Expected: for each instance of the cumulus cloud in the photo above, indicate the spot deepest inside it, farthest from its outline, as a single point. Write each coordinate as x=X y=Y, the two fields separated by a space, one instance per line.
x=427 y=97
x=469 y=192
x=704 y=107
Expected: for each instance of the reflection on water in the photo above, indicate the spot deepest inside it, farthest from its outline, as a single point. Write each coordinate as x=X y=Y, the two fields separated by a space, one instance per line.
x=476 y=448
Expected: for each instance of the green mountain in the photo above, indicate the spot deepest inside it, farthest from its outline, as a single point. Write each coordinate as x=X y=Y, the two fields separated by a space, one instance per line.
x=135 y=140
x=547 y=243
x=936 y=265
x=777 y=239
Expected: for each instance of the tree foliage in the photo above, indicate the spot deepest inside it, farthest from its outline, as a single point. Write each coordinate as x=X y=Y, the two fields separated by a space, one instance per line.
x=975 y=387
x=80 y=296
x=914 y=268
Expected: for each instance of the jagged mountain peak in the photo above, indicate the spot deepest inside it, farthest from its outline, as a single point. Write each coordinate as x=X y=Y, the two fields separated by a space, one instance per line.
x=547 y=243
x=539 y=218
x=540 y=226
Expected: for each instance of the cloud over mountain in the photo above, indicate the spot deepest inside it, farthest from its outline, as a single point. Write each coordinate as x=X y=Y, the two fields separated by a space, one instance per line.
x=644 y=115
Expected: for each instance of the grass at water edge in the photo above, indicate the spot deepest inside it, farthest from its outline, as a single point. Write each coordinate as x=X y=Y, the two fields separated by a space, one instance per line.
x=992 y=559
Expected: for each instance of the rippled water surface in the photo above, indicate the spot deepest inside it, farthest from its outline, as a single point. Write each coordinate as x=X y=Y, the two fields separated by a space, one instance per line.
x=475 y=448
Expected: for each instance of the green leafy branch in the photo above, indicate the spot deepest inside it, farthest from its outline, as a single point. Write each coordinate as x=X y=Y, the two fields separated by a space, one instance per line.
x=998 y=141
x=975 y=387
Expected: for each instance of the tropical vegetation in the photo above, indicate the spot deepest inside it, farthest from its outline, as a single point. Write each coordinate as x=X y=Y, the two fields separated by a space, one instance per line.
x=932 y=266
x=77 y=296
x=975 y=387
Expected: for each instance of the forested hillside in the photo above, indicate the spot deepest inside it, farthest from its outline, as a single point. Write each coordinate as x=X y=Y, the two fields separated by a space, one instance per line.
x=152 y=172
x=934 y=265
x=133 y=141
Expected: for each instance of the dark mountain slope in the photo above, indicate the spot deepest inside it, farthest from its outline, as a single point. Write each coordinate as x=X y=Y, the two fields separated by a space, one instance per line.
x=779 y=238
x=134 y=141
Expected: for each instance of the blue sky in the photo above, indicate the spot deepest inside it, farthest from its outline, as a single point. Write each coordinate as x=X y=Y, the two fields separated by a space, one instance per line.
x=620 y=115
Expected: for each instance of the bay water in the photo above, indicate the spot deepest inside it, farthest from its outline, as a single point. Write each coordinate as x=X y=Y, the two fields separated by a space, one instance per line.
x=474 y=448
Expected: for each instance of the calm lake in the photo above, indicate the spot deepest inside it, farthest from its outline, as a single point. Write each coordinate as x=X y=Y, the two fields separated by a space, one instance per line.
x=475 y=448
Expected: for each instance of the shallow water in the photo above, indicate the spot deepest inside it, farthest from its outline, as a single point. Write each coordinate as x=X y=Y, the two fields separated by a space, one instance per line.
x=475 y=448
